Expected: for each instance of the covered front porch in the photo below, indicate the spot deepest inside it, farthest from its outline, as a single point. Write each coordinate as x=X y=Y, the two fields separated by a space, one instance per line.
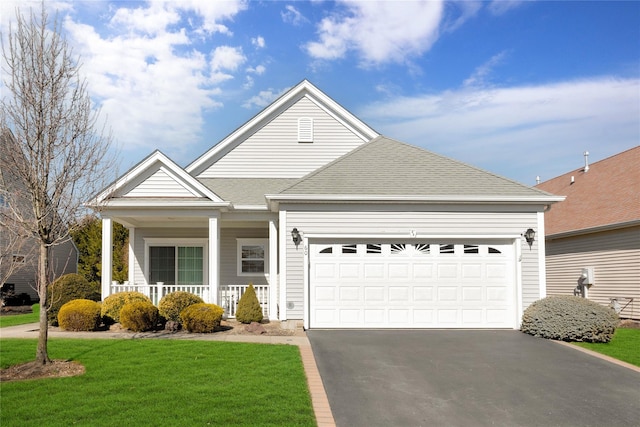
x=214 y=254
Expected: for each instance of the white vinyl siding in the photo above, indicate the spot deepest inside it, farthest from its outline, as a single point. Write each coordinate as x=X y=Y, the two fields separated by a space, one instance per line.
x=160 y=184
x=274 y=151
x=474 y=222
x=615 y=257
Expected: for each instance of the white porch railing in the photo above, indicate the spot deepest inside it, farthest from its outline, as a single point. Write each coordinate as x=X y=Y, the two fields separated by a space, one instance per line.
x=156 y=291
x=231 y=294
x=228 y=295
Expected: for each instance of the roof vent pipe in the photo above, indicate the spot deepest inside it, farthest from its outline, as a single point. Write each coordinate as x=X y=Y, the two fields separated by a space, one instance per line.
x=537 y=179
x=586 y=161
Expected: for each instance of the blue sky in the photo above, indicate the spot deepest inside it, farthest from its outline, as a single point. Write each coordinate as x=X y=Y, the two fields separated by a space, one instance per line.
x=519 y=88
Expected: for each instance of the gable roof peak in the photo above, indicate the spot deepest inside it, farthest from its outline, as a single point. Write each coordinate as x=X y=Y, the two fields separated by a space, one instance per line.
x=303 y=89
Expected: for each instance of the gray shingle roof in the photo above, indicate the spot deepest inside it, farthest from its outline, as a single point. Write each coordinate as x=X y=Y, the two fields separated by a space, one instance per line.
x=246 y=191
x=385 y=167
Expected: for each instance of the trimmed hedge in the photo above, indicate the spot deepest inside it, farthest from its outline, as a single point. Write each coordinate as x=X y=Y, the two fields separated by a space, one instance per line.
x=139 y=316
x=171 y=305
x=249 y=309
x=112 y=304
x=79 y=315
x=201 y=317
x=570 y=318
x=67 y=288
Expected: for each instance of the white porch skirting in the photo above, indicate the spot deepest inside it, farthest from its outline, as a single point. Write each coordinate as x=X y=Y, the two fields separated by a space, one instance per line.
x=228 y=295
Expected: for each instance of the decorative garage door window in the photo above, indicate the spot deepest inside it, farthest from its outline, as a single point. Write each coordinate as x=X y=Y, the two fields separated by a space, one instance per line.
x=405 y=249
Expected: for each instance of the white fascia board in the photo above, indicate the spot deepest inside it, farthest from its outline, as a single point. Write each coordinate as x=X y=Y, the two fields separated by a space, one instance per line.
x=169 y=166
x=317 y=96
x=327 y=198
x=161 y=203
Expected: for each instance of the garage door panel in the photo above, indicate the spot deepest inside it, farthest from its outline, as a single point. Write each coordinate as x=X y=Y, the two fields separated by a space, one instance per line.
x=422 y=271
x=472 y=271
x=325 y=294
x=412 y=285
x=398 y=271
x=350 y=293
x=472 y=317
x=472 y=294
x=422 y=293
x=447 y=271
x=350 y=317
x=447 y=294
x=374 y=294
x=374 y=271
x=374 y=317
x=349 y=271
x=398 y=293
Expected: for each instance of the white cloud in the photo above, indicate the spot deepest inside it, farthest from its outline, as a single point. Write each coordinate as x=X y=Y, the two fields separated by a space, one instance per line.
x=526 y=130
x=499 y=7
x=150 y=80
x=258 y=42
x=259 y=70
x=291 y=15
x=379 y=32
x=479 y=78
x=263 y=98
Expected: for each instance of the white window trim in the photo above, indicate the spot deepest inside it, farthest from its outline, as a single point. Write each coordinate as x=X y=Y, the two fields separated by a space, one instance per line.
x=243 y=242
x=176 y=242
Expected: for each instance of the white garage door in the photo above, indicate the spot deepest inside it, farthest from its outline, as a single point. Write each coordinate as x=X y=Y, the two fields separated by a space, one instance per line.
x=412 y=285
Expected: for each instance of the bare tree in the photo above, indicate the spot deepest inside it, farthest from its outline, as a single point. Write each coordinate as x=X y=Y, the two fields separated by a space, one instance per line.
x=57 y=153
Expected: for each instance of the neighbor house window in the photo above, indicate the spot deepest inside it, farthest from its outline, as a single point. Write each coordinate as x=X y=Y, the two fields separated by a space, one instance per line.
x=4 y=201
x=253 y=257
x=176 y=263
x=19 y=259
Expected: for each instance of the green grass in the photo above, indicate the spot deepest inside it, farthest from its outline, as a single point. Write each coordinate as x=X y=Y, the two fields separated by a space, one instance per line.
x=159 y=383
x=623 y=346
x=20 y=319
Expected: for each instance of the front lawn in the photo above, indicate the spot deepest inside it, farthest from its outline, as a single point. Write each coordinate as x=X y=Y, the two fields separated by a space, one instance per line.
x=159 y=382
x=623 y=346
x=21 y=319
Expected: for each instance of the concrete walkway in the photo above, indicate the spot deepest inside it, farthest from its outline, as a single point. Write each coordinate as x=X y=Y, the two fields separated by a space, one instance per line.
x=319 y=400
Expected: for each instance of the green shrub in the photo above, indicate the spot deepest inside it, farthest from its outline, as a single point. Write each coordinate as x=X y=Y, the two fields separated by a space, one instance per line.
x=249 y=309
x=79 y=315
x=67 y=288
x=171 y=305
x=201 y=317
x=139 y=316
x=112 y=304
x=570 y=318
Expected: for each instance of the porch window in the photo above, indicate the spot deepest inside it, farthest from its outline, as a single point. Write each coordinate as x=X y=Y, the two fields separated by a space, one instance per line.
x=181 y=265
x=253 y=257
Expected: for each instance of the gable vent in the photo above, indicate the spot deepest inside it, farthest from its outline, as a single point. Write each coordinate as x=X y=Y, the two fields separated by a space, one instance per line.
x=305 y=129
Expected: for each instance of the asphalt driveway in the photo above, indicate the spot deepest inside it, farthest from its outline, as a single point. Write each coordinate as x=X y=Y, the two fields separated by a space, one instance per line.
x=469 y=378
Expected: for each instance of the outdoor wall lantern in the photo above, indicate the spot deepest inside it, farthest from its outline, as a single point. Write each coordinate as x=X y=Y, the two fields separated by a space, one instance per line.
x=530 y=236
x=295 y=235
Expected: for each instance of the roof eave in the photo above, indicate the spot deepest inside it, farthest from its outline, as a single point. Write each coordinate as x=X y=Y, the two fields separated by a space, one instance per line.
x=274 y=199
x=597 y=229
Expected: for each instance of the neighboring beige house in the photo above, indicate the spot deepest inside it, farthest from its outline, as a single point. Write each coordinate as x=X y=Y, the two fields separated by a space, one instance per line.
x=335 y=225
x=597 y=228
x=19 y=257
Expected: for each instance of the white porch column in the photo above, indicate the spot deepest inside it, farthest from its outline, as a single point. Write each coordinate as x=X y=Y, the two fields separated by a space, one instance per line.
x=283 y=264
x=132 y=256
x=214 y=257
x=273 y=269
x=107 y=255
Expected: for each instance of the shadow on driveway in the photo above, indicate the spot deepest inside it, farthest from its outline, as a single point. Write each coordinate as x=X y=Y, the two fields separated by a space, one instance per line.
x=469 y=378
